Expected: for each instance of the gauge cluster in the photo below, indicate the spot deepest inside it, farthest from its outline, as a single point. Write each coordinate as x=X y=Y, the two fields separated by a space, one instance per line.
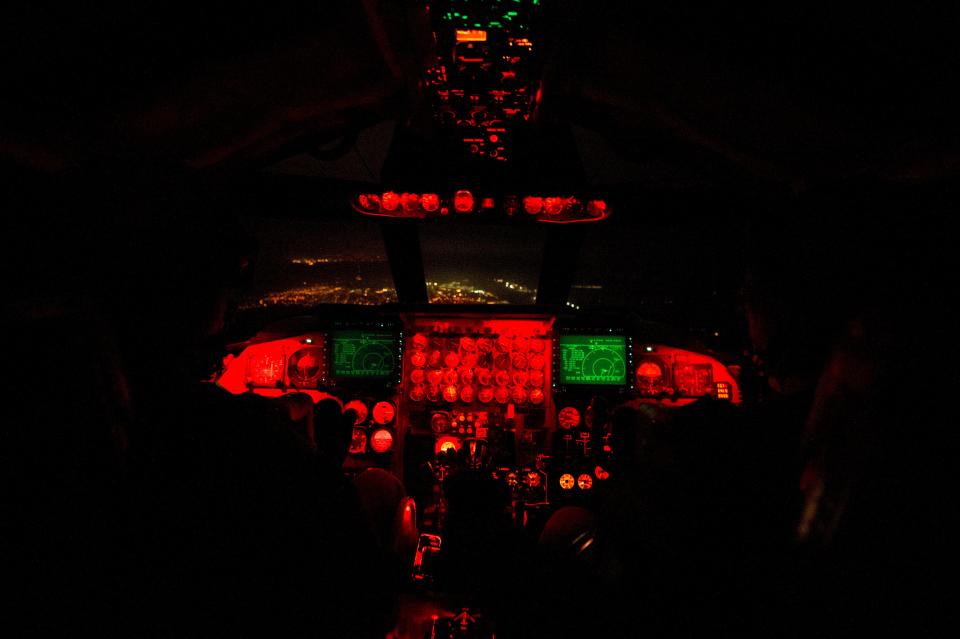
x=515 y=390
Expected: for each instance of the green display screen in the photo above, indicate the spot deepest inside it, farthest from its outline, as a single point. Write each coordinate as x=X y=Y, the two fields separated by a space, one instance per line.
x=593 y=359
x=364 y=354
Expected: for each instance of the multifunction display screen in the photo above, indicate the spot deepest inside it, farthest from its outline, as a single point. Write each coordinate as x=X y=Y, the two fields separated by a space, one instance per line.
x=593 y=360
x=364 y=354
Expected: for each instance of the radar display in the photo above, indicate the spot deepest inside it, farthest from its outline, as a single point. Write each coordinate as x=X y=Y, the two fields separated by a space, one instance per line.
x=593 y=360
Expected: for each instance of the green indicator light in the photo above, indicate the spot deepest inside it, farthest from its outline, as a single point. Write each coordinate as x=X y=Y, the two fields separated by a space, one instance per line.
x=364 y=354
x=495 y=24
x=511 y=13
x=593 y=360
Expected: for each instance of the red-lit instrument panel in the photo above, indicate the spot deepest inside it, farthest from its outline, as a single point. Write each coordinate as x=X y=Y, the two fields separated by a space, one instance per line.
x=479 y=363
x=677 y=376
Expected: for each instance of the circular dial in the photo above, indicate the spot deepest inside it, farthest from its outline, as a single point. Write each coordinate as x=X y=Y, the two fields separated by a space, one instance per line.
x=440 y=422
x=485 y=394
x=650 y=377
x=536 y=378
x=305 y=366
x=433 y=392
x=466 y=394
x=585 y=482
x=451 y=360
x=417 y=376
x=484 y=345
x=360 y=408
x=417 y=393
x=536 y=396
x=467 y=344
x=519 y=395
x=536 y=362
x=381 y=440
x=418 y=359
x=384 y=412
x=532 y=480
x=567 y=482
x=450 y=393
x=569 y=417
x=502 y=394
x=420 y=342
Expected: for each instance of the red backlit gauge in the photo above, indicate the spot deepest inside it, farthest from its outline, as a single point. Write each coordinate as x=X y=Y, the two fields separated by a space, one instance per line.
x=450 y=376
x=384 y=412
x=502 y=394
x=596 y=208
x=463 y=201
x=417 y=393
x=466 y=376
x=450 y=393
x=521 y=345
x=433 y=393
x=430 y=202
x=601 y=474
x=420 y=342
x=485 y=395
x=519 y=360
x=434 y=376
x=467 y=344
x=440 y=422
x=569 y=417
x=469 y=360
x=466 y=394
x=650 y=378
x=504 y=344
x=553 y=205
x=390 y=201
x=503 y=378
x=532 y=480
x=512 y=480
x=519 y=394
x=567 y=482
x=532 y=205
x=537 y=362
x=417 y=376
x=369 y=202
x=305 y=366
x=502 y=361
x=537 y=345
x=410 y=201
x=484 y=345
x=434 y=358
x=519 y=378
x=418 y=359
x=447 y=445
x=358 y=443
x=536 y=396
x=359 y=408
x=381 y=441
x=585 y=482
x=451 y=360
x=484 y=377
x=536 y=379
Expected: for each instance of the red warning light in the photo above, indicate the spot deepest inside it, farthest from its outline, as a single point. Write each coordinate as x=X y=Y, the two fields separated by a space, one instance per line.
x=463 y=201
x=390 y=201
x=410 y=201
x=430 y=202
x=381 y=440
x=370 y=202
x=596 y=208
x=553 y=205
x=532 y=205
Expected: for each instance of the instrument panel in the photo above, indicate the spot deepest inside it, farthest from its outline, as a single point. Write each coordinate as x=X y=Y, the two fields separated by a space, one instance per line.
x=495 y=389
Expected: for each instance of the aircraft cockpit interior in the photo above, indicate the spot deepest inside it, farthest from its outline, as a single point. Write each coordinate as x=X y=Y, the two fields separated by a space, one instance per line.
x=468 y=319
